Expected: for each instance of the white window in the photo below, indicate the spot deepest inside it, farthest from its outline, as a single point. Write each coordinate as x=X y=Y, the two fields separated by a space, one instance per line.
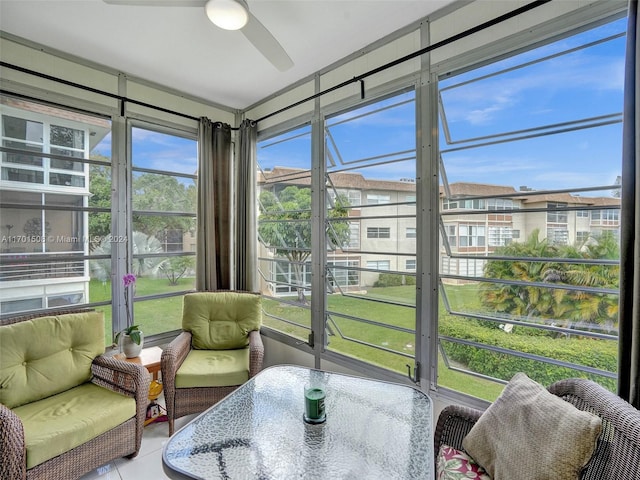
x=378 y=232
x=354 y=235
x=500 y=236
x=557 y=236
x=605 y=217
x=410 y=264
x=471 y=235
x=502 y=204
x=452 y=238
x=411 y=232
x=378 y=199
x=379 y=264
x=556 y=217
x=582 y=237
x=341 y=275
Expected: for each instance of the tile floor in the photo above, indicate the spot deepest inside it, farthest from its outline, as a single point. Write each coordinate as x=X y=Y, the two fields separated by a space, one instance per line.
x=148 y=463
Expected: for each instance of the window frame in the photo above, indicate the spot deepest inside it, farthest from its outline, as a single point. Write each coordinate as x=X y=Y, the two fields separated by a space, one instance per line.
x=170 y=129
x=379 y=232
x=428 y=161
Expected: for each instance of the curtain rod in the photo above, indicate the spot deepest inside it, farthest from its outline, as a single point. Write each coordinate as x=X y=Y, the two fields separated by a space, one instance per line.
x=358 y=78
x=95 y=90
x=393 y=63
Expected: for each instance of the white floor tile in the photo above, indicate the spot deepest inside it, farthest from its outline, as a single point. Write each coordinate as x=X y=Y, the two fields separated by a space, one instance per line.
x=106 y=472
x=142 y=468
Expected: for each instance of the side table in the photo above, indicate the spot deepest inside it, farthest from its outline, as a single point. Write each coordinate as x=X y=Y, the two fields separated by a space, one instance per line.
x=149 y=358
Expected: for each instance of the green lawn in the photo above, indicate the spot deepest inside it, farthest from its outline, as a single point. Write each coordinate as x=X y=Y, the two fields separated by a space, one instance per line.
x=154 y=316
x=376 y=344
x=385 y=338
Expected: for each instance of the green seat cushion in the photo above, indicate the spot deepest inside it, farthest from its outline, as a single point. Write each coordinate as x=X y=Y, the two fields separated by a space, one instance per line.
x=221 y=320
x=48 y=355
x=214 y=368
x=59 y=423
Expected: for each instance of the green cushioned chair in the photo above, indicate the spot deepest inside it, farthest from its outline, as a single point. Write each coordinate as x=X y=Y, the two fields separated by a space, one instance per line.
x=65 y=408
x=219 y=349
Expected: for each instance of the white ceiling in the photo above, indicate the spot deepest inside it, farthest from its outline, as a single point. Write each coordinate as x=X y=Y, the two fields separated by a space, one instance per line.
x=180 y=48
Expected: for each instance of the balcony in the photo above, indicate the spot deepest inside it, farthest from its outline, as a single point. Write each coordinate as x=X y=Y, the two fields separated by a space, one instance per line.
x=24 y=266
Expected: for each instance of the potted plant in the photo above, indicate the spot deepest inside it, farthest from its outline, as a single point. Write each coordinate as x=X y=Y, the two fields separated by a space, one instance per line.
x=132 y=341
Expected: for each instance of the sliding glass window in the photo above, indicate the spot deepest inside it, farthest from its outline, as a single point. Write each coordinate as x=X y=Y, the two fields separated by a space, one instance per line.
x=370 y=232
x=370 y=212
x=284 y=231
x=163 y=225
x=529 y=216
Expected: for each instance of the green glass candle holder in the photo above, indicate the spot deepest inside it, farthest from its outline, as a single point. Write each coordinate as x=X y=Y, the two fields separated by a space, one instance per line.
x=314 y=411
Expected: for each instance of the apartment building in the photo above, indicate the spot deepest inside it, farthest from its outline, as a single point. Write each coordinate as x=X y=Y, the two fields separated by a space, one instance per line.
x=478 y=219
x=45 y=235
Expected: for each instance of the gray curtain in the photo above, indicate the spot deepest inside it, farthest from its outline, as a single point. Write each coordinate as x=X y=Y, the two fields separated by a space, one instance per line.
x=629 y=354
x=246 y=247
x=213 y=263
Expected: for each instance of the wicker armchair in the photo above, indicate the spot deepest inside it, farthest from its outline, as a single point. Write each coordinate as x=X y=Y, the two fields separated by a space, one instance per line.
x=617 y=453
x=203 y=315
x=124 y=440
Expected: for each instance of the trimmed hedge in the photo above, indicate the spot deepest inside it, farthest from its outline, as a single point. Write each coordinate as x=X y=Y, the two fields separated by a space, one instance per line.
x=388 y=280
x=601 y=354
x=394 y=280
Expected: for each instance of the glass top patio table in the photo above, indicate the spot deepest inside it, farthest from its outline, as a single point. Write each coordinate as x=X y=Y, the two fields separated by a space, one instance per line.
x=373 y=430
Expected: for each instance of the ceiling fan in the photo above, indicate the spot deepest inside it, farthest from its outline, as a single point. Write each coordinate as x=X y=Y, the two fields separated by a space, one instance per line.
x=229 y=15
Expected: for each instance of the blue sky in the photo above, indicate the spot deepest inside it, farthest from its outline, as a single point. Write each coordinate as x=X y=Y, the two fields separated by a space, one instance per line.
x=159 y=151
x=583 y=84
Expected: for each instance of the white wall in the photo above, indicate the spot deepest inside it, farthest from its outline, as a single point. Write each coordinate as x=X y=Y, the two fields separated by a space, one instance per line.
x=63 y=66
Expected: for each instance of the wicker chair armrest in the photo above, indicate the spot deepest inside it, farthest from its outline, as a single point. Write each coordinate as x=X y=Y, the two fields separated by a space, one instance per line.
x=175 y=353
x=173 y=356
x=13 y=462
x=590 y=396
x=123 y=377
x=454 y=423
x=256 y=352
x=128 y=379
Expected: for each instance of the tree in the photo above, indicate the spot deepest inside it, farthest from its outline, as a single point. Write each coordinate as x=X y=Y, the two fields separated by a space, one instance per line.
x=100 y=188
x=285 y=227
x=561 y=305
x=162 y=193
x=175 y=268
x=142 y=243
x=151 y=192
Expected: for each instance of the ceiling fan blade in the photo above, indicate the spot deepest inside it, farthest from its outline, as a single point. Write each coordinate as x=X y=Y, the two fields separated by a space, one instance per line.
x=159 y=3
x=266 y=44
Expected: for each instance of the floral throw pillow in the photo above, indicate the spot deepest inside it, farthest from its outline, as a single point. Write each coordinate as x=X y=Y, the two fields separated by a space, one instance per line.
x=456 y=465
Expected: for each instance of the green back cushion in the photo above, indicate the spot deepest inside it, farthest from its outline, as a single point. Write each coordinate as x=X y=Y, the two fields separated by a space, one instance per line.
x=221 y=320
x=48 y=355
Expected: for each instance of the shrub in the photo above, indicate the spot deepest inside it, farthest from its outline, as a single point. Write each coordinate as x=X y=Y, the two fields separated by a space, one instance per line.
x=388 y=280
x=394 y=280
x=600 y=354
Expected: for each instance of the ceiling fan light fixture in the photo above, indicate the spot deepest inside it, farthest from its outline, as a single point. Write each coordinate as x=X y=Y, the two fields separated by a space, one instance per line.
x=227 y=14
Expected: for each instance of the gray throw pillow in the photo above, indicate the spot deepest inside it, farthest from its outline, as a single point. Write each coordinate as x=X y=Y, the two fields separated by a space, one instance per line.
x=530 y=434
